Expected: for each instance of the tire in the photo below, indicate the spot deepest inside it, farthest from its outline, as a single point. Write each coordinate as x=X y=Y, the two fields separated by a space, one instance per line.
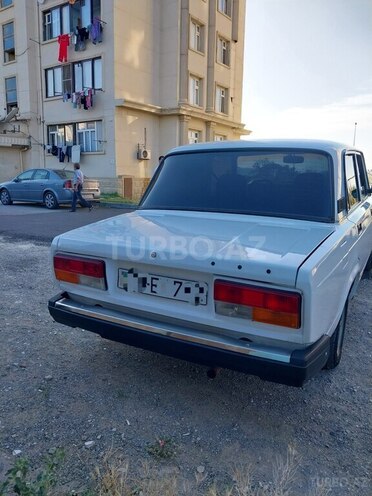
x=5 y=197
x=50 y=200
x=337 y=341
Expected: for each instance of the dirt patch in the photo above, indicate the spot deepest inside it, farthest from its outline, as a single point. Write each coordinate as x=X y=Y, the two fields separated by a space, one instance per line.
x=63 y=388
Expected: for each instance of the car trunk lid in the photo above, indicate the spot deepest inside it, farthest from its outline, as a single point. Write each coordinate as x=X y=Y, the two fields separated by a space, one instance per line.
x=264 y=249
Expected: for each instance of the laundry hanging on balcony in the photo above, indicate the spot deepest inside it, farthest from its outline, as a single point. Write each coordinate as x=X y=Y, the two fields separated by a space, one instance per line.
x=64 y=42
x=81 y=35
x=95 y=30
x=82 y=99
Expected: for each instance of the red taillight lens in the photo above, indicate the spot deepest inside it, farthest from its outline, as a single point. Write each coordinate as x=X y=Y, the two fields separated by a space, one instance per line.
x=80 y=270
x=67 y=184
x=260 y=304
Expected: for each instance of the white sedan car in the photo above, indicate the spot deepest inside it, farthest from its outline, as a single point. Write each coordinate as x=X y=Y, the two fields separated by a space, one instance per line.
x=241 y=255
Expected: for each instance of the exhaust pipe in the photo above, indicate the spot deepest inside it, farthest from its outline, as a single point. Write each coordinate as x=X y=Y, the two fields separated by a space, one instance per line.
x=212 y=373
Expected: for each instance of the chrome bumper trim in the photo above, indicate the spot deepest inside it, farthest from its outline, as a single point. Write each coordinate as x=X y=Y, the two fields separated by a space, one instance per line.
x=176 y=332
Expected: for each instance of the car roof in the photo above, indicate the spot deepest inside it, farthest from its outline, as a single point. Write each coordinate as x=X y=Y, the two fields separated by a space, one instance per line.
x=322 y=145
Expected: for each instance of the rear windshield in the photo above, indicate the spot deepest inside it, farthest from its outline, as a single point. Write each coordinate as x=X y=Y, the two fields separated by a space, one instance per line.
x=281 y=183
x=64 y=174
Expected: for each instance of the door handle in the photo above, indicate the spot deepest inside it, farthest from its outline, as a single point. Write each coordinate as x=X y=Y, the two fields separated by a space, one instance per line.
x=360 y=227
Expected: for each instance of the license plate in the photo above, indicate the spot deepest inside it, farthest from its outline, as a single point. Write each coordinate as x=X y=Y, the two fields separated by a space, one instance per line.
x=193 y=292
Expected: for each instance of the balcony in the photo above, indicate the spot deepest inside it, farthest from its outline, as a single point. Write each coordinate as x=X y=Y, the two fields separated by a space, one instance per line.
x=14 y=141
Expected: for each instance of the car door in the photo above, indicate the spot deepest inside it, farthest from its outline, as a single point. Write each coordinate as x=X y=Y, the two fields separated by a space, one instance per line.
x=20 y=187
x=359 y=205
x=38 y=184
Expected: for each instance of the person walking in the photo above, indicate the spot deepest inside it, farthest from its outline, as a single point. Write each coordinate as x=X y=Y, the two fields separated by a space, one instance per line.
x=77 y=184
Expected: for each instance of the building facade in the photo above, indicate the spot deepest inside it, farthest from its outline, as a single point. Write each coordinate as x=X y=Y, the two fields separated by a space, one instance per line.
x=114 y=84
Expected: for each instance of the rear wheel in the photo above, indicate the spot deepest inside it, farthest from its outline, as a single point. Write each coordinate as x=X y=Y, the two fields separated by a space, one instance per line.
x=5 y=197
x=50 y=200
x=337 y=341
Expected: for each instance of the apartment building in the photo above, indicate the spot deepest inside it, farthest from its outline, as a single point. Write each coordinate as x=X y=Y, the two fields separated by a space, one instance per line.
x=116 y=83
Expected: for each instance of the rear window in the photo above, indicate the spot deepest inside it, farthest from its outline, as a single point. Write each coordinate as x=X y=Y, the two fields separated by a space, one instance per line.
x=288 y=183
x=64 y=174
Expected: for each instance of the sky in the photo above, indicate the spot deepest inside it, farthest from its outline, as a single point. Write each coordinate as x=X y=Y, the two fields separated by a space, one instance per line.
x=308 y=70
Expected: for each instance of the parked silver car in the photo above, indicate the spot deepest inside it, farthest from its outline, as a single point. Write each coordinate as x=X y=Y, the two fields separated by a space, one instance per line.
x=51 y=187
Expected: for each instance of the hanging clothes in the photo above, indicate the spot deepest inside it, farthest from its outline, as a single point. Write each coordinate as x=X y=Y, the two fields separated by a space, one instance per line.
x=89 y=98
x=61 y=154
x=64 y=42
x=75 y=154
x=68 y=152
x=95 y=30
x=81 y=36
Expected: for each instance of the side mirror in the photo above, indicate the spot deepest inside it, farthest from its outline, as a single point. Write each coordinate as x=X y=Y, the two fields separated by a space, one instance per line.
x=16 y=180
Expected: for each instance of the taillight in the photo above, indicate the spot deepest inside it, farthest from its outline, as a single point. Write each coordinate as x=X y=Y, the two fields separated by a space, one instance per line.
x=80 y=270
x=67 y=184
x=270 y=306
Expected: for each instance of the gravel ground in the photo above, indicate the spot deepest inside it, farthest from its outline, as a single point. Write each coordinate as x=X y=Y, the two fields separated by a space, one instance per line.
x=63 y=387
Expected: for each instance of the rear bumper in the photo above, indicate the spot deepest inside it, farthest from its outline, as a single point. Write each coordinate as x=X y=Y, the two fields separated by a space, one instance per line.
x=292 y=367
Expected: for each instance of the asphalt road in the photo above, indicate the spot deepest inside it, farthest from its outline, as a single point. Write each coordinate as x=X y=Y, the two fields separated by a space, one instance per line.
x=37 y=223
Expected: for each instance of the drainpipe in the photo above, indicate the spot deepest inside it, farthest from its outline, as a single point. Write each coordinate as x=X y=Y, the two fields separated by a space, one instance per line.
x=42 y=120
x=21 y=157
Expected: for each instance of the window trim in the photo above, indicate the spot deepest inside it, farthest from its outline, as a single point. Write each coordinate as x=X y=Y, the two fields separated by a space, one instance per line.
x=227 y=10
x=7 y=51
x=225 y=109
x=6 y=6
x=93 y=74
x=193 y=91
x=196 y=132
x=62 y=21
x=71 y=81
x=75 y=133
x=10 y=104
x=196 y=47
x=220 y=52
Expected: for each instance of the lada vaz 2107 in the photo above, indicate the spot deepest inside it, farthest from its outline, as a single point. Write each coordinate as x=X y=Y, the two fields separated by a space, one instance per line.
x=241 y=255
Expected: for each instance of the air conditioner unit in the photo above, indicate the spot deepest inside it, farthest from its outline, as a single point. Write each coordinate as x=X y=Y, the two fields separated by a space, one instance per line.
x=143 y=153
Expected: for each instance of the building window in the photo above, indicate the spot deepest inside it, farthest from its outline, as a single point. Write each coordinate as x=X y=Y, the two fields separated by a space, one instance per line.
x=65 y=18
x=224 y=6
x=221 y=99
x=219 y=137
x=56 y=21
x=195 y=86
x=58 y=80
x=223 y=51
x=89 y=136
x=8 y=42
x=88 y=74
x=194 y=136
x=61 y=135
x=5 y=3
x=86 y=134
x=196 y=36
x=83 y=11
x=11 y=93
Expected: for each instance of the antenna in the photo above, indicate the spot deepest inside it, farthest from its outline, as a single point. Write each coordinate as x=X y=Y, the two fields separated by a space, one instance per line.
x=355 y=127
